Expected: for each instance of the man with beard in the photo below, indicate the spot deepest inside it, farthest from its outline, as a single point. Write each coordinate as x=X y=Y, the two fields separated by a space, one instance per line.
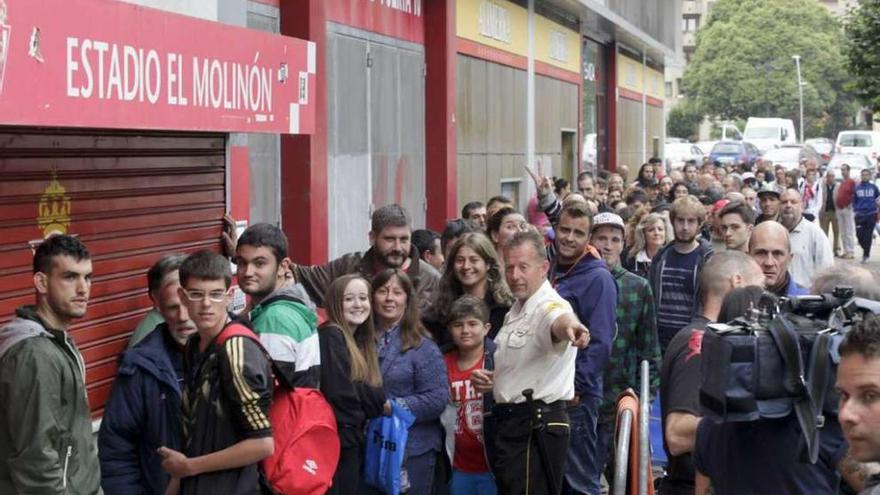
x=46 y=441
x=580 y=276
x=675 y=270
x=769 y=247
x=144 y=409
x=636 y=337
x=279 y=312
x=390 y=247
x=810 y=248
x=768 y=200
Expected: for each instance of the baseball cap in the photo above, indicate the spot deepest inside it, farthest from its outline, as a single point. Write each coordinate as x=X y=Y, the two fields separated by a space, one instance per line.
x=607 y=219
x=748 y=176
x=770 y=188
x=721 y=203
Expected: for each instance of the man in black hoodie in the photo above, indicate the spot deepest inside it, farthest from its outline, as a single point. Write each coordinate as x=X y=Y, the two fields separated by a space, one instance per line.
x=675 y=270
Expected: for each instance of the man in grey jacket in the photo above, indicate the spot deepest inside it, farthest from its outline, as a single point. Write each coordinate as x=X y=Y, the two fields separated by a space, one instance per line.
x=390 y=247
x=46 y=442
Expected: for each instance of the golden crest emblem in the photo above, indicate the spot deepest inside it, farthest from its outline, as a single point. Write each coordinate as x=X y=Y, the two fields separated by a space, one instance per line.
x=54 y=209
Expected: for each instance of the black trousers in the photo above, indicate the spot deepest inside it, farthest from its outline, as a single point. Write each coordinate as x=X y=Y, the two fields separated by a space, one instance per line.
x=865 y=232
x=347 y=478
x=518 y=468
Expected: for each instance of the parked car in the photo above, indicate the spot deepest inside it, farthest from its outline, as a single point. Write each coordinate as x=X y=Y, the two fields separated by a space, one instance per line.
x=790 y=155
x=864 y=142
x=856 y=161
x=734 y=152
x=679 y=153
x=588 y=152
x=823 y=146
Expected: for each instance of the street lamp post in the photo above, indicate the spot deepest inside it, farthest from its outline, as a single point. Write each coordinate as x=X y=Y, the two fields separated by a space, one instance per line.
x=797 y=62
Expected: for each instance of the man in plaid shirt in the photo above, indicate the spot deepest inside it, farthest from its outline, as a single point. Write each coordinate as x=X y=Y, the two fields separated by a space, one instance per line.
x=636 y=338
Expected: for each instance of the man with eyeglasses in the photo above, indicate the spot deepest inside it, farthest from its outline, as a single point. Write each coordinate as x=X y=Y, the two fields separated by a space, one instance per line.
x=281 y=312
x=226 y=394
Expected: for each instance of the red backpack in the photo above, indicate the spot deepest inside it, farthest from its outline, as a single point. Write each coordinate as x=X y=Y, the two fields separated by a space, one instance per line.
x=304 y=431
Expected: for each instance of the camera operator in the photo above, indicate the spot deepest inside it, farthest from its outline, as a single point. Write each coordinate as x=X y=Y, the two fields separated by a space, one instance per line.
x=866 y=284
x=680 y=373
x=858 y=383
x=763 y=456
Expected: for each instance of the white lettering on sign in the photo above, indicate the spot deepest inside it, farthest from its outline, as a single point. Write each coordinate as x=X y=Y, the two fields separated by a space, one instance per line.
x=413 y=7
x=558 y=47
x=494 y=21
x=97 y=69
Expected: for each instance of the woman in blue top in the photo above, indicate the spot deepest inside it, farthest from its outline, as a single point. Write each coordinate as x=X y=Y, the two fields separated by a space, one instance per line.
x=413 y=374
x=865 y=209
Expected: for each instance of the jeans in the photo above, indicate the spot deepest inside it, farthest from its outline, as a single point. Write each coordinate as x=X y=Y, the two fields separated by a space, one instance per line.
x=472 y=483
x=583 y=471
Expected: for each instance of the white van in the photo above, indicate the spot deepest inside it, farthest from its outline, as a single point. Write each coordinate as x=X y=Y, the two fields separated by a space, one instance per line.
x=859 y=142
x=769 y=133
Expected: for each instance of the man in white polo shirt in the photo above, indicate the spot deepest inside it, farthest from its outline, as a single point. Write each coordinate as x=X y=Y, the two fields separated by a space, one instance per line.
x=535 y=357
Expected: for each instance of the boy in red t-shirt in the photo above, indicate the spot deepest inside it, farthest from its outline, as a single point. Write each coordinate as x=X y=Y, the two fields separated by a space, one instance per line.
x=463 y=419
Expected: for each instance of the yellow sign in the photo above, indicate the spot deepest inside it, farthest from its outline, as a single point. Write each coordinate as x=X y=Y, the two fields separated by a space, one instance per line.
x=54 y=209
x=504 y=25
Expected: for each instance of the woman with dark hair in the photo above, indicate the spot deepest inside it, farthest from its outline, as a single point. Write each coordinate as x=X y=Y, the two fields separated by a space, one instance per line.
x=679 y=190
x=503 y=225
x=472 y=268
x=647 y=175
x=413 y=373
x=350 y=376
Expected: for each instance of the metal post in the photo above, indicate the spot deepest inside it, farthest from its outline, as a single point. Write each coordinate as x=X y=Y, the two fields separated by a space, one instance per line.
x=644 y=436
x=621 y=453
x=797 y=63
x=644 y=107
x=530 y=91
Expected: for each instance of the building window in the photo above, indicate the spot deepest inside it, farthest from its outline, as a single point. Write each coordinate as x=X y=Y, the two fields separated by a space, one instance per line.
x=678 y=85
x=690 y=24
x=669 y=89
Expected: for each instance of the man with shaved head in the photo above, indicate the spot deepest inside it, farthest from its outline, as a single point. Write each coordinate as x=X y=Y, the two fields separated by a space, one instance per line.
x=810 y=248
x=770 y=247
x=680 y=374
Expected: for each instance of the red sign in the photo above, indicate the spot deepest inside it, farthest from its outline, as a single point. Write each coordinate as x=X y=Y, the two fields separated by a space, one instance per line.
x=104 y=63
x=402 y=19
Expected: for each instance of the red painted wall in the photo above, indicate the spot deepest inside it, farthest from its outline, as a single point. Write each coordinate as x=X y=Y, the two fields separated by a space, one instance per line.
x=440 y=142
x=304 y=158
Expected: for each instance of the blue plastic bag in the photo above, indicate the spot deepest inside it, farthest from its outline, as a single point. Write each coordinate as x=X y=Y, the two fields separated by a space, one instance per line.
x=386 y=444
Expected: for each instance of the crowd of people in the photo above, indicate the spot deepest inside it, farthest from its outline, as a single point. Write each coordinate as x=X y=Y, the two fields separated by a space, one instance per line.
x=508 y=337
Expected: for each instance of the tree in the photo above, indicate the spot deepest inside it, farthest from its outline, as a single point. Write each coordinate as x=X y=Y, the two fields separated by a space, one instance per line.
x=683 y=121
x=743 y=65
x=863 y=52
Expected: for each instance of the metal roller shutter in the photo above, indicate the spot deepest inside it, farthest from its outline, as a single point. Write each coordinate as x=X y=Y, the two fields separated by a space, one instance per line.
x=129 y=196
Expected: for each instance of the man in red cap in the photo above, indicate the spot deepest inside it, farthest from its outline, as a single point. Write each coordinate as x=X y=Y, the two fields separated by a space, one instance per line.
x=714 y=221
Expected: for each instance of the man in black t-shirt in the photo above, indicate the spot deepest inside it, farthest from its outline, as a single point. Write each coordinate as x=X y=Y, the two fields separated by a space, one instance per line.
x=680 y=374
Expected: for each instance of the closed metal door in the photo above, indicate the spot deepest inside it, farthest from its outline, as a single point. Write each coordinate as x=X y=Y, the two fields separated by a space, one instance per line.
x=376 y=131
x=130 y=197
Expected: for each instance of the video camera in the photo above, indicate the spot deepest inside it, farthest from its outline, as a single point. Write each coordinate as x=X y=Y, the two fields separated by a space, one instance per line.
x=779 y=357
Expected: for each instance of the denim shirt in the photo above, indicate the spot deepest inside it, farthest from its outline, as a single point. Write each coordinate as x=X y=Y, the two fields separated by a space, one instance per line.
x=416 y=379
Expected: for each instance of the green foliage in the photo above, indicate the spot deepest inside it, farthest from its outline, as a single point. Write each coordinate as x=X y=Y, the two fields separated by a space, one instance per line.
x=683 y=121
x=863 y=52
x=743 y=63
